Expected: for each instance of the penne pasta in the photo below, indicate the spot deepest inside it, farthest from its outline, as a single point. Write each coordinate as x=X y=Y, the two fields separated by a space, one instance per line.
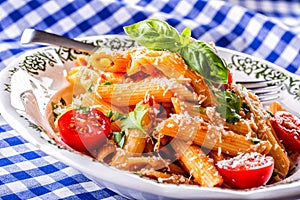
x=135 y=141
x=241 y=127
x=199 y=132
x=173 y=66
x=165 y=121
x=132 y=93
x=276 y=106
x=197 y=164
x=135 y=162
x=265 y=132
x=115 y=62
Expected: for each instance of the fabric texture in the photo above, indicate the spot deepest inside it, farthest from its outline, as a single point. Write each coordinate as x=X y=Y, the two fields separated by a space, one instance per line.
x=267 y=29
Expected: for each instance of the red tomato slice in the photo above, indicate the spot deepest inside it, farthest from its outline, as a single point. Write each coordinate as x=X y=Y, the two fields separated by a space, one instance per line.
x=287 y=128
x=84 y=131
x=246 y=170
x=229 y=80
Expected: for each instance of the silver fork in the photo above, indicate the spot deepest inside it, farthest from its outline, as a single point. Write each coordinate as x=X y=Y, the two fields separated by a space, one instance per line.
x=266 y=90
x=41 y=37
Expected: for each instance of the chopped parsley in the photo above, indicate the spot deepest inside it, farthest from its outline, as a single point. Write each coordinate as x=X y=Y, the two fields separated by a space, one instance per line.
x=200 y=109
x=275 y=173
x=270 y=113
x=55 y=106
x=115 y=116
x=90 y=88
x=134 y=119
x=119 y=138
x=229 y=105
x=256 y=141
x=83 y=109
x=107 y=83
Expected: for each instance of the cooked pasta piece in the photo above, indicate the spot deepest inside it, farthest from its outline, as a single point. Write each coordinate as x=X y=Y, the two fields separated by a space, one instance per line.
x=264 y=131
x=81 y=60
x=197 y=163
x=106 y=152
x=276 y=106
x=135 y=141
x=162 y=177
x=107 y=78
x=135 y=162
x=212 y=137
x=114 y=62
x=173 y=66
x=132 y=93
x=216 y=155
x=241 y=127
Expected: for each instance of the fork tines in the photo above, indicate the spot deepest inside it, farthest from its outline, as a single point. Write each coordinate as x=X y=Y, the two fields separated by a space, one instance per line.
x=266 y=90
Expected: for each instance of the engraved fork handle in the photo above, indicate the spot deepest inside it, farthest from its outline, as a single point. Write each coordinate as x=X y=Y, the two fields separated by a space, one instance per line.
x=37 y=36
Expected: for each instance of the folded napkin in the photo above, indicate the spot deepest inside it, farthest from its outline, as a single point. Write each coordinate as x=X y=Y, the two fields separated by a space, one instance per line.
x=266 y=29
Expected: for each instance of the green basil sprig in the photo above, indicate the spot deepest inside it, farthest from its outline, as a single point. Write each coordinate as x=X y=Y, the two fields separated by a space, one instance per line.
x=159 y=35
x=155 y=34
x=229 y=106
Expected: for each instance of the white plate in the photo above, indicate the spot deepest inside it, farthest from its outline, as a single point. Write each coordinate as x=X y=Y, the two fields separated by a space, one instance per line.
x=49 y=65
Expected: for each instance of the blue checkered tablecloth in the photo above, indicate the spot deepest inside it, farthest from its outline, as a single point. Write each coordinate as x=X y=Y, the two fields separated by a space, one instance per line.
x=268 y=29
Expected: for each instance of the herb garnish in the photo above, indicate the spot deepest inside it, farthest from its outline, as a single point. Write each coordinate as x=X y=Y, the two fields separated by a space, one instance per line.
x=115 y=116
x=90 y=88
x=119 y=138
x=229 y=105
x=83 y=109
x=246 y=108
x=256 y=141
x=155 y=34
x=270 y=113
x=107 y=83
x=134 y=119
x=61 y=103
x=200 y=109
x=159 y=35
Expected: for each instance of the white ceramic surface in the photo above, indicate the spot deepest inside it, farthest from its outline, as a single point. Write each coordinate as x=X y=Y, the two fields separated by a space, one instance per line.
x=49 y=66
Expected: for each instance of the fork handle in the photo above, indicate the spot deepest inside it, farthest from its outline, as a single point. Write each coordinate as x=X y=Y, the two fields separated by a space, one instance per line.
x=37 y=36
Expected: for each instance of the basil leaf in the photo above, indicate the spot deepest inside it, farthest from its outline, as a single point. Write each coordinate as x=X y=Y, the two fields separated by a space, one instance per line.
x=154 y=34
x=202 y=59
x=246 y=108
x=159 y=35
x=229 y=106
x=185 y=36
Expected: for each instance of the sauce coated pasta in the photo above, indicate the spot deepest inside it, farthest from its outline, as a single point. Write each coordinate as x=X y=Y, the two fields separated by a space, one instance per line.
x=157 y=112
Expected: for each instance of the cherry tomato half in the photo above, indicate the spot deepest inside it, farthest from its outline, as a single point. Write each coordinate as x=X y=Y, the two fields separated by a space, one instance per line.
x=84 y=131
x=246 y=170
x=287 y=128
